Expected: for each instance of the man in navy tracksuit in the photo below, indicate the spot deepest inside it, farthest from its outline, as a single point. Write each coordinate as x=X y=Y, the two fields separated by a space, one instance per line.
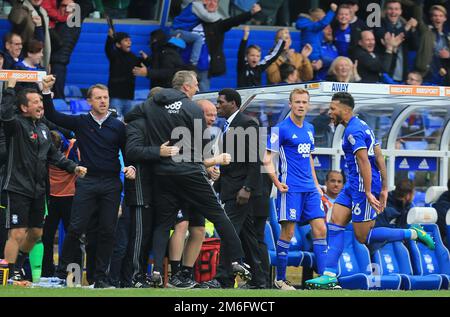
x=100 y=137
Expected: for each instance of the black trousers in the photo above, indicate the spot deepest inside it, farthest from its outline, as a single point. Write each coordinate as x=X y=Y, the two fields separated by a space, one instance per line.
x=260 y=215
x=90 y=247
x=173 y=192
x=140 y=240
x=118 y=274
x=59 y=208
x=99 y=195
x=241 y=217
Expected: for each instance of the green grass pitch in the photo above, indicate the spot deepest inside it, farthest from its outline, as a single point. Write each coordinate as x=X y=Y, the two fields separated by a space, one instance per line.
x=10 y=291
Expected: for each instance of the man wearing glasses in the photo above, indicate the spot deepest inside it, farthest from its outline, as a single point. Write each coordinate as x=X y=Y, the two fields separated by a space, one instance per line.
x=13 y=45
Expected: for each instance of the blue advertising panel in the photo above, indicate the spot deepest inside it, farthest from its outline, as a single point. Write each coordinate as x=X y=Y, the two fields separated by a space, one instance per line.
x=322 y=162
x=416 y=163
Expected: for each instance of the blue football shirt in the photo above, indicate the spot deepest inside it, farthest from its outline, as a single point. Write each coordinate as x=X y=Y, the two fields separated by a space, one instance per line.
x=358 y=135
x=342 y=40
x=294 y=145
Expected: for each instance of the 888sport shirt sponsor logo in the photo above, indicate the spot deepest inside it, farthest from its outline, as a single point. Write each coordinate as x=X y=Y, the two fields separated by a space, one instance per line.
x=174 y=107
x=304 y=149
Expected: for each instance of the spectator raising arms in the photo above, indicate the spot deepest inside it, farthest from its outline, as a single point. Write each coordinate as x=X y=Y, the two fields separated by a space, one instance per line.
x=250 y=66
x=370 y=64
x=191 y=16
x=299 y=60
x=165 y=60
x=394 y=24
x=122 y=61
x=311 y=27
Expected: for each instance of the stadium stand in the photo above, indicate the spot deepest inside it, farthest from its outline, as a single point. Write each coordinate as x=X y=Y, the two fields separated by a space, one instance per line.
x=89 y=64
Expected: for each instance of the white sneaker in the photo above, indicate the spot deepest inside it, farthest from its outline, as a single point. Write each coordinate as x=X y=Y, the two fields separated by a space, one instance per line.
x=284 y=285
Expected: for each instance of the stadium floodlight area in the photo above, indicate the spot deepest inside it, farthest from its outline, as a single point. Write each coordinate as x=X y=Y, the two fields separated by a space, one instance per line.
x=411 y=122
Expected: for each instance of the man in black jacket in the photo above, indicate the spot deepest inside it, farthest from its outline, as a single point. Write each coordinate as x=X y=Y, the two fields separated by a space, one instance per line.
x=240 y=184
x=30 y=150
x=370 y=64
x=165 y=60
x=172 y=116
x=139 y=195
x=121 y=81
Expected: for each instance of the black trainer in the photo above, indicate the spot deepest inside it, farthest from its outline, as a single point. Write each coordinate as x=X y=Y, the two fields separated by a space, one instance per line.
x=17 y=276
x=212 y=284
x=140 y=281
x=243 y=270
x=103 y=284
x=181 y=281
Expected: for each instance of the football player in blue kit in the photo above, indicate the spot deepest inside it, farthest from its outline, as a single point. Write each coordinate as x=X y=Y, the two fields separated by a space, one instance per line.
x=299 y=193
x=364 y=195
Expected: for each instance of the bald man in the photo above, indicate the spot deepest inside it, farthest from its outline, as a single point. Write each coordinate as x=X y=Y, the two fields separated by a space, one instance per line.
x=209 y=111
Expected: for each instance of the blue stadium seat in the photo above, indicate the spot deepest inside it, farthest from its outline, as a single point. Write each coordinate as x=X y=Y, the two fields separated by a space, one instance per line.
x=419 y=199
x=141 y=94
x=61 y=105
x=393 y=259
x=296 y=256
x=304 y=233
x=77 y=106
x=426 y=261
x=72 y=91
x=355 y=269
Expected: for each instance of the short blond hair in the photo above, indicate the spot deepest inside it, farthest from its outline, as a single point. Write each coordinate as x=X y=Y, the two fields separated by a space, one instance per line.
x=298 y=91
x=96 y=86
x=438 y=8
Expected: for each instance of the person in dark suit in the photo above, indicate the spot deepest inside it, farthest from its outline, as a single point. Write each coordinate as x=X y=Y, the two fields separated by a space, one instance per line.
x=240 y=184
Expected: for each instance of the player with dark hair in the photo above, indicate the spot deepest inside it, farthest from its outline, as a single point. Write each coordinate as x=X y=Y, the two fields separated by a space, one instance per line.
x=364 y=195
